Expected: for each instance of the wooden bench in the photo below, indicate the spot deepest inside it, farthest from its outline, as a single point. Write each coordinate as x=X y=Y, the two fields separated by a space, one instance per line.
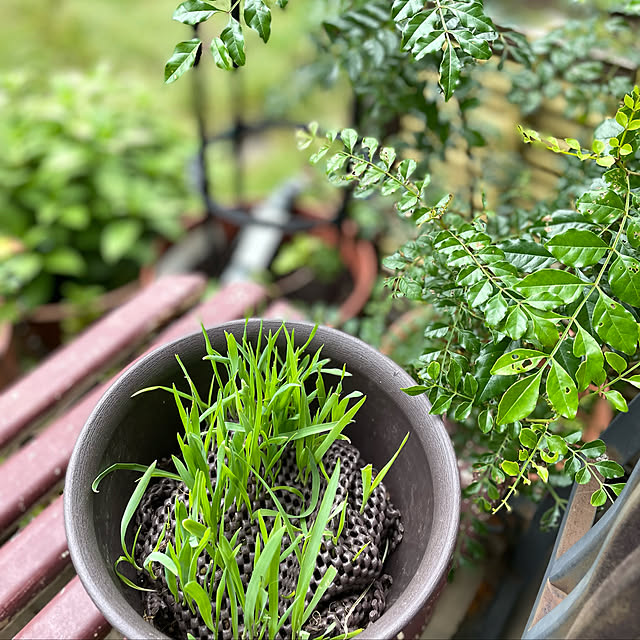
x=41 y=416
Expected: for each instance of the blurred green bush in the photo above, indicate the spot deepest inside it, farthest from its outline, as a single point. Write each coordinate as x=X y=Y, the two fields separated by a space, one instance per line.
x=91 y=175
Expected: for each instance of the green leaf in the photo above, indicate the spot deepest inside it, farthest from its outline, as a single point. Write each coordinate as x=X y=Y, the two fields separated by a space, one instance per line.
x=526 y=255
x=490 y=386
x=194 y=12
x=609 y=469
x=633 y=234
x=577 y=248
x=431 y=43
x=617 y=400
x=593 y=449
x=634 y=380
x=624 y=278
x=557 y=444
x=64 y=261
x=258 y=16
x=183 y=58
x=495 y=309
x=616 y=362
x=233 y=39
x=119 y=239
x=617 y=487
x=349 y=137
x=516 y=325
x=475 y=47
x=544 y=329
x=313 y=544
x=598 y=497
x=202 y=600
x=479 y=293
x=543 y=472
x=601 y=206
x=562 y=284
x=419 y=27
x=485 y=421
x=615 y=325
x=562 y=391
x=220 y=55
x=528 y=438
x=510 y=468
x=405 y=9
x=583 y=475
x=520 y=399
x=449 y=71
x=441 y=405
x=517 y=361
x=590 y=370
x=472 y=16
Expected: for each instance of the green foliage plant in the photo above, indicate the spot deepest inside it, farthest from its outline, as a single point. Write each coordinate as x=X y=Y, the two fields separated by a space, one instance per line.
x=89 y=182
x=227 y=49
x=262 y=401
x=528 y=325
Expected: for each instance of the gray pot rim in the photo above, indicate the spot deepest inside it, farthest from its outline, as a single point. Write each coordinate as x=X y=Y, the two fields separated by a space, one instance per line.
x=92 y=570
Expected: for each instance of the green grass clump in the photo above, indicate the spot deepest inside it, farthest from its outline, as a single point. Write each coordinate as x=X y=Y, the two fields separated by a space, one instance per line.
x=261 y=401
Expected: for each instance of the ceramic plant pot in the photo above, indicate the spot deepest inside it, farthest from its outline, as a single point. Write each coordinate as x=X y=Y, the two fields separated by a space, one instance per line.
x=423 y=482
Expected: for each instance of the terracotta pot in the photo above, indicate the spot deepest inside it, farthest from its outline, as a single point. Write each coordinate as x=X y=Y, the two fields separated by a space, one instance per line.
x=423 y=483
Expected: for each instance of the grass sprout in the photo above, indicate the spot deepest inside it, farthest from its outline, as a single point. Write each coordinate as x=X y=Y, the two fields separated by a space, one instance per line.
x=262 y=400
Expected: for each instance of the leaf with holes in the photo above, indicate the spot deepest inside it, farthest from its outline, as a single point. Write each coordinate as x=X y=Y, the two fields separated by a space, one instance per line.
x=602 y=206
x=520 y=399
x=562 y=391
x=633 y=233
x=615 y=325
x=577 y=247
x=184 y=57
x=517 y=361
x=624 y=278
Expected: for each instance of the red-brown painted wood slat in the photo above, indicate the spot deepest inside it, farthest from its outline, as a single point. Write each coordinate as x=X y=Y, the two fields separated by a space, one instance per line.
x=46 y=457
x=31 y=559
x=31 y=471
x=95 y=348
x=71 y=615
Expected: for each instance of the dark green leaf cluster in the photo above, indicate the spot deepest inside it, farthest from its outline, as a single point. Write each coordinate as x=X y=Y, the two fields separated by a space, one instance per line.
x=89 y=180
x=529 y=325
x=458 y=31
x=227 y=49
x=569 y=63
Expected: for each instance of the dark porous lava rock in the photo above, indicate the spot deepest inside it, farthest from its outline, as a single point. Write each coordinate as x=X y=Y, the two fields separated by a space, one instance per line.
x=357 y=595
